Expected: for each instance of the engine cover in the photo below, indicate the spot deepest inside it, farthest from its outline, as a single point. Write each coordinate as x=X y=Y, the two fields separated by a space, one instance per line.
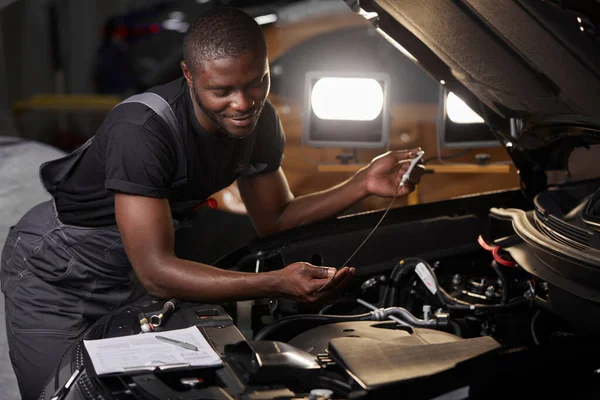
x=316 y=340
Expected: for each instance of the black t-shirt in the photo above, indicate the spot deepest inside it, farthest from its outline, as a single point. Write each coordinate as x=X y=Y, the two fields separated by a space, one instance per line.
x=133 y=152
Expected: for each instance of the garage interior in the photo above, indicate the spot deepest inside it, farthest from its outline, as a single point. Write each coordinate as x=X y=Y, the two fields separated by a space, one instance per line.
x=64 y=64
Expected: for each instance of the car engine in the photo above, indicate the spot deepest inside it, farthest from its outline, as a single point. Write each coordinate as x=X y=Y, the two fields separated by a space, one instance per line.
x=448 y=299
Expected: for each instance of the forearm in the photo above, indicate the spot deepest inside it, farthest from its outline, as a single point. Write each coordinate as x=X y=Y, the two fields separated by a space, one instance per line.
x=188 y=280
x=317 y=206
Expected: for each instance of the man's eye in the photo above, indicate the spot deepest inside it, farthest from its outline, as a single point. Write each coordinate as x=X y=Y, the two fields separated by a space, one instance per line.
x=220 y=93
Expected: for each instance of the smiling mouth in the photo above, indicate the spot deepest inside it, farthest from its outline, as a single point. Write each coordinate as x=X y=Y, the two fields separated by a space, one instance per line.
x=242 y=121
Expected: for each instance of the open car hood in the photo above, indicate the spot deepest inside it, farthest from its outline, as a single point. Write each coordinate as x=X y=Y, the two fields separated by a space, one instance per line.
x=530 y=68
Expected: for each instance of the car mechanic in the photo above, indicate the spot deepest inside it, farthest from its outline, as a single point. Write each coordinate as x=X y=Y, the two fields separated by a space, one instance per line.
x=107 y=236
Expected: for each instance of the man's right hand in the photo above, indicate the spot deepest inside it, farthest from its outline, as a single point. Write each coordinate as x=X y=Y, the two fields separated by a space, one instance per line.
x=301 y=281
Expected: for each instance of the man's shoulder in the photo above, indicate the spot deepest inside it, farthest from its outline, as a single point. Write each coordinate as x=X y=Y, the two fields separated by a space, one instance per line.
x=139 y=114
x=172 y=91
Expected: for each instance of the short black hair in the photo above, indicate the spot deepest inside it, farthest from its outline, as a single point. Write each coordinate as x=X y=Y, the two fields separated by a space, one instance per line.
x=219 y=33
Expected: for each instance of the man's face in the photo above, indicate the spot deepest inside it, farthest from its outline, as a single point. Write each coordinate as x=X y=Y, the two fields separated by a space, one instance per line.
x=229 y=93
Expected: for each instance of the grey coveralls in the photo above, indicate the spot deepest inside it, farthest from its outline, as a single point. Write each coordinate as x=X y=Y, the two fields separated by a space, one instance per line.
x=59 y=279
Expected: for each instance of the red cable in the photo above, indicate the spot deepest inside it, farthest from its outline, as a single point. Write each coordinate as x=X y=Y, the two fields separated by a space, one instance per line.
x=484 y=244
x=501 y=260
x=495 y=250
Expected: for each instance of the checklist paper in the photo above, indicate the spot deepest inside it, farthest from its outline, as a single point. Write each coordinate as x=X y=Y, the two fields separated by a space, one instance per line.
x=145 y=352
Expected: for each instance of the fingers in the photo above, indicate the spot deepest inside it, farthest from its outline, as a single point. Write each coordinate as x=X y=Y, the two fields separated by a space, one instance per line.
x=407 y=188
x=341 y=277
x=404 y=155
x=312 y=289
x=339 y=281
x=318 y=272
x=404 y=159
x=416 y=173
x=413 y=153
x=308 y=283
x=334 y=288
x=314 y=278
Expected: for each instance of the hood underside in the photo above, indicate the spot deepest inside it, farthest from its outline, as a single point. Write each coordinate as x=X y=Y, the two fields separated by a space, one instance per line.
x=518 y=57
x=530 y=68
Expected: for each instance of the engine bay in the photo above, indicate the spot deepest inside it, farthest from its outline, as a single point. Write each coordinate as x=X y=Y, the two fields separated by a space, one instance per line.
x=458 y=278
x=438 y=307
x=494 y=295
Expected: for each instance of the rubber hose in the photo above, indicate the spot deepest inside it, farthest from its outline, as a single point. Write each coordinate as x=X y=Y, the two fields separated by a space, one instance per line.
x=503 y=281
x=456 y=328
x=400 y=270
x=404 y=315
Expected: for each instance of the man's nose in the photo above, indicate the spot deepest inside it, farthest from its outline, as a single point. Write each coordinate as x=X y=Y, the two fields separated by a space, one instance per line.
x=242 y=102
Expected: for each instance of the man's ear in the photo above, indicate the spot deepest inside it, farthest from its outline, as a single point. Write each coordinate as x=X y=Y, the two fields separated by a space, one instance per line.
x=187 y=74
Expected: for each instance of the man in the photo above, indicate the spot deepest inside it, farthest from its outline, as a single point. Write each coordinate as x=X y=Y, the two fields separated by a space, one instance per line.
x=116 y=201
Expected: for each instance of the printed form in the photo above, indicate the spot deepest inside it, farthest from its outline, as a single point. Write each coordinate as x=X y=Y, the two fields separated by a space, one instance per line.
x=146 y=352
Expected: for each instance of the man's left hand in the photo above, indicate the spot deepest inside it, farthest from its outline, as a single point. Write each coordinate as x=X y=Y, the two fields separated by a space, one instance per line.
x=383 y=174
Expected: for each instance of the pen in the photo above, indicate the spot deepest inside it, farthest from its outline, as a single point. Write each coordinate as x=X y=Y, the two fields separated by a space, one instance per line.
x=177 y=343
x=62 y=392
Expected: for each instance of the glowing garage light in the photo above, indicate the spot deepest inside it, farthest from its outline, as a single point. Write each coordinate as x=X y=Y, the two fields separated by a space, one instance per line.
x=581 y=28
x=459 y=112
x=266 y=19
x=356 y=99
x=443 y=82
x=579 y=19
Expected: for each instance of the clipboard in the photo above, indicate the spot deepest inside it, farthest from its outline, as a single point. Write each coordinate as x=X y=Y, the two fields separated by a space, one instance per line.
x=143 y=353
